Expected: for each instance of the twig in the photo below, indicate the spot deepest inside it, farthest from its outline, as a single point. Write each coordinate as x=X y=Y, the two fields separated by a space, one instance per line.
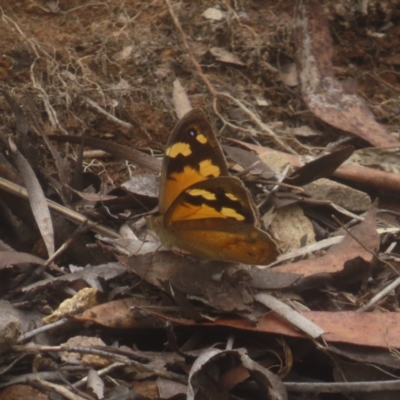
x=215 y=93
x=222 y=118
x=342 y=387
x=60 y=390
x=101 y=372
x=263 y=127
x=290 y=315
x=388 y=181
x=35 y=48
x=31 y=377
x=109 y=116
x=41 y=329
x=380 y=295
x=187 y=48
x=376 y=256
x=71 y=215
x=103 y=353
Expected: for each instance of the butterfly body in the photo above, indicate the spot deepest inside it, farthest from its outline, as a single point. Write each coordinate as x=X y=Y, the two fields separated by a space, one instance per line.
x=204 y=210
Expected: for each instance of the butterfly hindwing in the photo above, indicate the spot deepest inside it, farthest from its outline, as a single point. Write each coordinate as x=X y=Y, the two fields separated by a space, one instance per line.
x=193 y=154
x=235 y=241
x=223 y=197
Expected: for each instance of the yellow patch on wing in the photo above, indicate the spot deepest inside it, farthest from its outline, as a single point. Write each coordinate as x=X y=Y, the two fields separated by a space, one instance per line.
x=207 y=168
x=178 y=182
x=201 y=138
x=178 y=148
x=231 y=196
x=186 y=211
x=232 y=213
x=203 y=193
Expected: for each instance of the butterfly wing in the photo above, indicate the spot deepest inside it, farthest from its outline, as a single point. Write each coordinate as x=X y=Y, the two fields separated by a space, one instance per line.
x=193 y=155
x=224 y=197
x=216 y=219
x=203 y=210
x=218 y=239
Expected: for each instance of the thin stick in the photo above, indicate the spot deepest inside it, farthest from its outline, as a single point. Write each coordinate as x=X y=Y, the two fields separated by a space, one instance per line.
x=342 y=387
x=67 y=213
x=263 y=127
x=379 y=296
x=363 y=245
x=31 y=348
x=187 y=48
x=109 y=116
x=215 y=93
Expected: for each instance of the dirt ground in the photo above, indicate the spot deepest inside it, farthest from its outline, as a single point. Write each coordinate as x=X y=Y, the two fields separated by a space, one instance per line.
x=125 y=55
x=73 y=65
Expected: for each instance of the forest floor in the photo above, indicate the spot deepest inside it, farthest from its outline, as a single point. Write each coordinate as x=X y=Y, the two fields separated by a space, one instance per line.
x=120 y=71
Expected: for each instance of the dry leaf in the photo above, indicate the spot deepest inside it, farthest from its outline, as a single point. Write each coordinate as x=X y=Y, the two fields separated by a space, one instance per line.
x=290 y=226
x=88 y=274
x=363 y=329
x=19 y=392
x=92 y=360
x=84 y=299
x=344 y=196
x=348 y=249
x=95 y=383
x=168 y=389
x=320 y=167
x=225 y=56
x=123 y=314
x=213 y=14
x=8 y=258
x=37 y=199
x=383 y=180
x=180 y=99
x=325 y=96
x=213 y=366
x=288 y=75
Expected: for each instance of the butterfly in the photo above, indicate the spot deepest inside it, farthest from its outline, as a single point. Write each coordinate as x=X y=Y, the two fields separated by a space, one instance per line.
x=204 y=210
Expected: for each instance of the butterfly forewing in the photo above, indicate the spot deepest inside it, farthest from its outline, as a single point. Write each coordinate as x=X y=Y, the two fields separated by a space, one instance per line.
x=193 y=155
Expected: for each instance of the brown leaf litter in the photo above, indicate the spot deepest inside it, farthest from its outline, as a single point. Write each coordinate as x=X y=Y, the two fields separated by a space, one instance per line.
x=298 y=91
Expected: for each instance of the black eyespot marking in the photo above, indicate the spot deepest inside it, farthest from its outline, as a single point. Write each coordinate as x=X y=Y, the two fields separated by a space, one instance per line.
x=220 y=190
x=193 y=133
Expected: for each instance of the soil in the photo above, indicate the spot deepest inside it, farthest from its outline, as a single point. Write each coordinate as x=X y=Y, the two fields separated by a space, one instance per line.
x=126 y=55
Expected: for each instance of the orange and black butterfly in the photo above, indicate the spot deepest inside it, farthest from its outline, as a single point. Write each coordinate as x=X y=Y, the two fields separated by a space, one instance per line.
x=204 y=210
